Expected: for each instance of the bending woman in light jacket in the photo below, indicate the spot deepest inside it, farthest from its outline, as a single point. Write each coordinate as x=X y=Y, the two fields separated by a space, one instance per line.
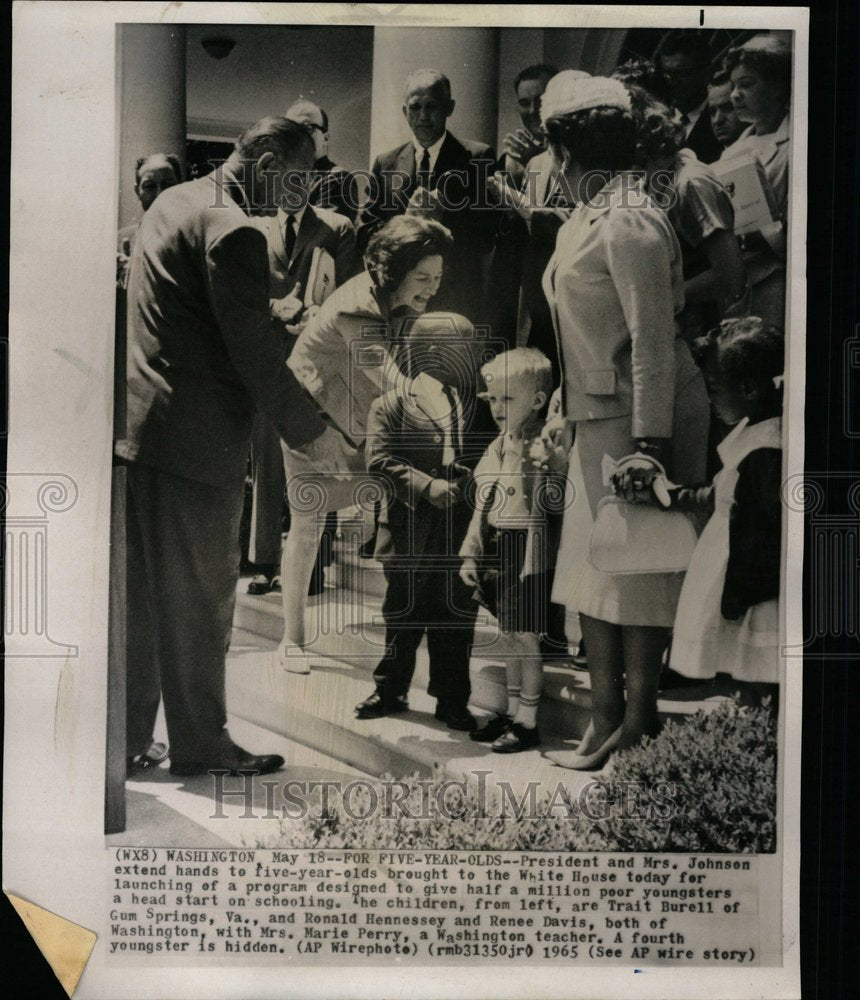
x=345 y=358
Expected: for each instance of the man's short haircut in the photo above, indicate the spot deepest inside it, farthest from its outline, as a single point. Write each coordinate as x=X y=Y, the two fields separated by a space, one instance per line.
x=521 y=363
x=305 y=104
x=277 y=135
x=427 y=79
x=539 y=71
x=719 y=79
x=171 y=158
x=685 y=42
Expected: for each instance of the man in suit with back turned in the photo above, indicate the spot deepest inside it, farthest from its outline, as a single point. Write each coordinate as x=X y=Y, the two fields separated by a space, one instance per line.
x=201 y=361
x=437 y=175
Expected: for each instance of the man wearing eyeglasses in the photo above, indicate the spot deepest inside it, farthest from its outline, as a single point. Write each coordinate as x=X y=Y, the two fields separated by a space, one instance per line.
x=332 y=187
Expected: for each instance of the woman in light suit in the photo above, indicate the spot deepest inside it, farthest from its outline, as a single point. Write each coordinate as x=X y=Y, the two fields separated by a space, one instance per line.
x=629 y=385
x=345 y=358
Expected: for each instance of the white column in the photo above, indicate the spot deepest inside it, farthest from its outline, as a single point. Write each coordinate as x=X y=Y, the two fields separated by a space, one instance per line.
x=518 y=48
x=150 y=102
x=595 y=50
x=469 y=57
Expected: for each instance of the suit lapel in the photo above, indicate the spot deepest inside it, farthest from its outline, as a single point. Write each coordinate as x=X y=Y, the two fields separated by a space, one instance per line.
x=451 y=156
x=276 y=239
x=404 y=162
x=306 y=231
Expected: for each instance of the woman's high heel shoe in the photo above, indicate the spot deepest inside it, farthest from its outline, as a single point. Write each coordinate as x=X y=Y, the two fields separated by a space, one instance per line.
x=585 y=762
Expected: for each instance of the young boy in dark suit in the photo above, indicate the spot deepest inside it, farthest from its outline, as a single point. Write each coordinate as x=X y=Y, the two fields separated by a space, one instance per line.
x=423 y=439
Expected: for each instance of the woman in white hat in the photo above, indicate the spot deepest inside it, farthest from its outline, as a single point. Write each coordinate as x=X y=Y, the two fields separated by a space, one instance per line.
x=629 y=385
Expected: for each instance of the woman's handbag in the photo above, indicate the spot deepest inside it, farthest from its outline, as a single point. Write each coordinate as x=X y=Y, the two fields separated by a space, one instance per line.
x=639 y=538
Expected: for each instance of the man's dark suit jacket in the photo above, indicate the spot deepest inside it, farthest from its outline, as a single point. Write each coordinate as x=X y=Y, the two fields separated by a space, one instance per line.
x=334 y=188
x=318 y=228
x=702 y=140
x=460 y=178
x=405 y=447
x=201 y=355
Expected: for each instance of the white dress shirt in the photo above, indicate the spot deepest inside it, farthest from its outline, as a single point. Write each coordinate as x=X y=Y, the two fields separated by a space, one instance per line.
x=432 y=150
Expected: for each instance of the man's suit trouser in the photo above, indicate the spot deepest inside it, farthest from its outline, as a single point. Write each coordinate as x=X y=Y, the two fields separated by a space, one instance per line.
x=267 y=504
x=183 y=556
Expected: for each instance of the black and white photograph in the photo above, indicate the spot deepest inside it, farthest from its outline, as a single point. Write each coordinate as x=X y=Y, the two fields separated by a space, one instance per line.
x=440 y=459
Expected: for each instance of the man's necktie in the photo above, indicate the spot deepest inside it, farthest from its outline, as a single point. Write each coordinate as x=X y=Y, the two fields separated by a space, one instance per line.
x=557 y=198
x=424 y=170
x=454 y=435
x=290 y=236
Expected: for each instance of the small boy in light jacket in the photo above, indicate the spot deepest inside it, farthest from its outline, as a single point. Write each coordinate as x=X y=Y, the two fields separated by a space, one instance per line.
x=509 y=549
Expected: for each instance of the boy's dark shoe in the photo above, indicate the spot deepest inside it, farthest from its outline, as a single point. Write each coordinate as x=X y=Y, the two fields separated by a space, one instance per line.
x=493 y=729
x=517 y=738
x=457 y=717
x=380 y=704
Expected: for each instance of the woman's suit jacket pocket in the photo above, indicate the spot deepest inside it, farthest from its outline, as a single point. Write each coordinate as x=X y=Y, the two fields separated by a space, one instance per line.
x=600 y=382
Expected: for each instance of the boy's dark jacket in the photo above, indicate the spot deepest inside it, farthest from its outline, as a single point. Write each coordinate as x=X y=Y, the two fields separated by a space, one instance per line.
x=404 y=446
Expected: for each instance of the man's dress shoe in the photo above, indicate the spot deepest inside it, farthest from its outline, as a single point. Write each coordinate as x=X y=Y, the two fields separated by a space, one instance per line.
x=237 y=762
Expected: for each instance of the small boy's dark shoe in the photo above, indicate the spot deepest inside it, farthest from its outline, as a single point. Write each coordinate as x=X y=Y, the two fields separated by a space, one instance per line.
x=456 y=717
x=517 y=738
x=380 y=704
x=461 y=720
x=493 y=729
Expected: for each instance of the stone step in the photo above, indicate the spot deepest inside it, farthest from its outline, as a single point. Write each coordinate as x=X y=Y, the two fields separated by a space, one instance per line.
x=178 y=811
x=348 y=629
x=317 y=710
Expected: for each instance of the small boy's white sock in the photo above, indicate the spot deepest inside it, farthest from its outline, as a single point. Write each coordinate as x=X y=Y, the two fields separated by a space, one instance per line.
x=526 y=714
x=513 y=701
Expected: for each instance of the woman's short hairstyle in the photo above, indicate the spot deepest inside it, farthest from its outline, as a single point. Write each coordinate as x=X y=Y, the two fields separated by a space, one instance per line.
x=643 y=73
x=597 y=138
x=766 y=55
x=400 y=245
x=659 y=132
